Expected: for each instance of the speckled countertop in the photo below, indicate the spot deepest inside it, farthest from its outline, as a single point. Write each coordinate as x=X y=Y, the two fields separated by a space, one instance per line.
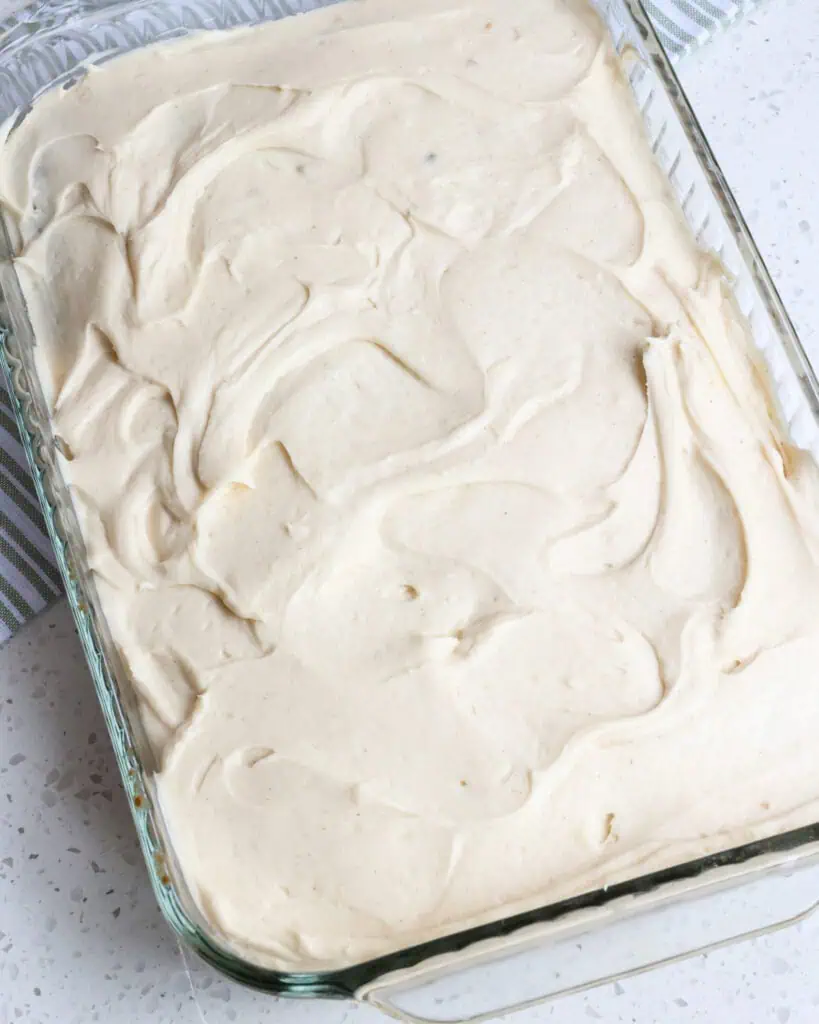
x=81 y=939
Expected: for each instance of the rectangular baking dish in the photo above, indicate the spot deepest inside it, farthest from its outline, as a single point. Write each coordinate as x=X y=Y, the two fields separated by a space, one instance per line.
x=597 y=936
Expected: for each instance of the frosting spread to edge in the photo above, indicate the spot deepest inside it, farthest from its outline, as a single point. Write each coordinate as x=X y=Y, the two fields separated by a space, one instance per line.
x=433 y=494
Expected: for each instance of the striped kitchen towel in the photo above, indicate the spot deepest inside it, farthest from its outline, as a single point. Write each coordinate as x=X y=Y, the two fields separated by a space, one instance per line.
x=29 y=580
x=683 y=25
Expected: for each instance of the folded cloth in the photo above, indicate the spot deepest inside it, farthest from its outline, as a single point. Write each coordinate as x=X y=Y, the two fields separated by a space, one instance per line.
x=683 y=25
x=29 y=580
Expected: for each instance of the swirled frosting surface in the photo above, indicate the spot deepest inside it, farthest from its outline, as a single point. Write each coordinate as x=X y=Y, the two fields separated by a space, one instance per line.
x=433 y=495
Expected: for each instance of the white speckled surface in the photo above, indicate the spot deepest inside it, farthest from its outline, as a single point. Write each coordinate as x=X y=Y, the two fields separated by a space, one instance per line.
x=80 y=937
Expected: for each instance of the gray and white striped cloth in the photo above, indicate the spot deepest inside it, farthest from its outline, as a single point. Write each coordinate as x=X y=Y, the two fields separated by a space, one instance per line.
x=683 y=25
x=29 y=580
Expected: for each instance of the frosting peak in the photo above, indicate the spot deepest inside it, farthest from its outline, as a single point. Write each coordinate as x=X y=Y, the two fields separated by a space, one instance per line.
x=432 y=492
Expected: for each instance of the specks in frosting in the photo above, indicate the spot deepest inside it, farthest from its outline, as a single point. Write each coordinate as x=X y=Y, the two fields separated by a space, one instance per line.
x=432 y=496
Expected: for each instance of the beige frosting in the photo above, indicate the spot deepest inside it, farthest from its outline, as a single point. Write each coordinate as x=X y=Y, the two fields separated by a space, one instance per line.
x=433 y=496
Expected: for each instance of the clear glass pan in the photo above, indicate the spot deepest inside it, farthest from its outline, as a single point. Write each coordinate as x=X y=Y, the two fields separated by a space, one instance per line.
x=558 y=948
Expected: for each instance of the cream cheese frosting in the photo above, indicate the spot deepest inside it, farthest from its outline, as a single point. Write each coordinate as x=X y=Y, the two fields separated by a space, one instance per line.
x=433 y=494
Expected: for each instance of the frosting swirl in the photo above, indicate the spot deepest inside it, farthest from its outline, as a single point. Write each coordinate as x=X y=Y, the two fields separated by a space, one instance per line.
x=432 y=490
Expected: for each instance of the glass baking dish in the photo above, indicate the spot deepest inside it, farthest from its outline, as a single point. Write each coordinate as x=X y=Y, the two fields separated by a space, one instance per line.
x=563 y=947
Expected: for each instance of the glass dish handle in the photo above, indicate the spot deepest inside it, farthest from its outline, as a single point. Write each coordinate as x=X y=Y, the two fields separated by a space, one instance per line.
x=593 y=949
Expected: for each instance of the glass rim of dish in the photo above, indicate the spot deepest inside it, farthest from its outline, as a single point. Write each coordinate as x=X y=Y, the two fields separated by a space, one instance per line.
x=15 y=356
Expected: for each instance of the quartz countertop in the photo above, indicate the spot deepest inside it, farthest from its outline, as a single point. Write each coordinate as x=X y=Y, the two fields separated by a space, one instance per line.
x=81 y=938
